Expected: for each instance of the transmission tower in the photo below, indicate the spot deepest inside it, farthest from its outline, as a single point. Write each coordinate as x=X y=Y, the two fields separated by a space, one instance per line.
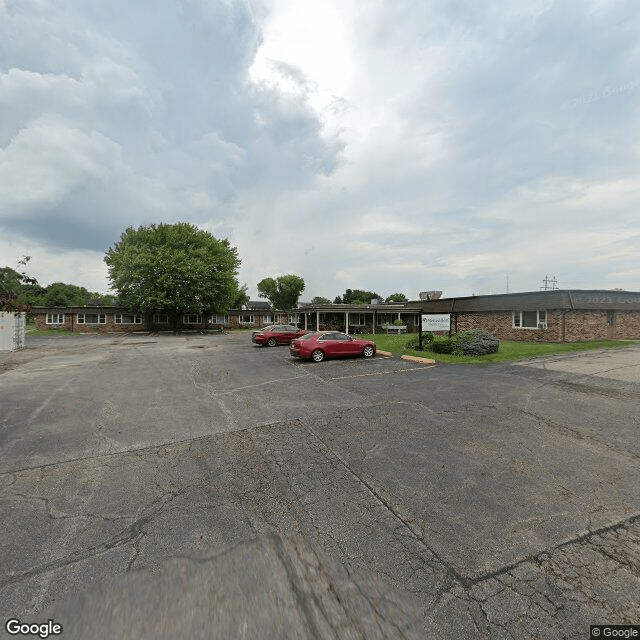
x=549 y=283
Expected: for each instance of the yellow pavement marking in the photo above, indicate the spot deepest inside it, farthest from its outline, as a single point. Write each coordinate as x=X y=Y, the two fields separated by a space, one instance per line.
x=384 y=353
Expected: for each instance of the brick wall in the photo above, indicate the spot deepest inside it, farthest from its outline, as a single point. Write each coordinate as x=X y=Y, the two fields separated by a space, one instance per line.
x=578 y=325
x=500 y=324
x=71 y=324
x=627 y=325
x=592 y=325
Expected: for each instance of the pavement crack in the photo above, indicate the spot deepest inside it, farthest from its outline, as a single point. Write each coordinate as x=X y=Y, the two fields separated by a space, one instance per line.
x=129 y=535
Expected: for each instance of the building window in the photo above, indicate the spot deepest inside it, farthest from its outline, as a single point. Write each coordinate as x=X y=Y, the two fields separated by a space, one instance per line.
x=91 y=318
x=218 y=319
x=192 y=318
x=294 y=319
x=386 y=318
x=128 y=318
x=246 y=318
x=55 y=318
x=161 y=318
x=358 y=319
x=265 y=320
x=530 y=319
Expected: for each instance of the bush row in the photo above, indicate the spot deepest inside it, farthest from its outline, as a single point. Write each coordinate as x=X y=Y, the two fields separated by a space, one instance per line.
x=477 y=342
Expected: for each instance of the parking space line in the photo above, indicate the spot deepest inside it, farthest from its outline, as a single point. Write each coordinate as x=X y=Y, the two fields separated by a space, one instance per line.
x=378 y=373
x=259 y=384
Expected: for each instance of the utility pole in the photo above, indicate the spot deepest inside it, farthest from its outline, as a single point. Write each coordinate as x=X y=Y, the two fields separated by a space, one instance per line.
x=549 y=283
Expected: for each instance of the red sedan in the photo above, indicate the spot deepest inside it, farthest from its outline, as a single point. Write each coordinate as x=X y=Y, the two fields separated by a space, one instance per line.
x=276 y=334
x=327 y=344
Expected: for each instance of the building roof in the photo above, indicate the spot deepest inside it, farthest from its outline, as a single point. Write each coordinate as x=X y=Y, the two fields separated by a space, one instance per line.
x=562 y=299
x=361 y=308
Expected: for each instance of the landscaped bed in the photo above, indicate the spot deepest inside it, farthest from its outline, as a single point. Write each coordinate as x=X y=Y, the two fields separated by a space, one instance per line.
x=509 y=349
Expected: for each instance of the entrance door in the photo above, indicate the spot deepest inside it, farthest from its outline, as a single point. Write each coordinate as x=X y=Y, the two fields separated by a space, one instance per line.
x=611 y=325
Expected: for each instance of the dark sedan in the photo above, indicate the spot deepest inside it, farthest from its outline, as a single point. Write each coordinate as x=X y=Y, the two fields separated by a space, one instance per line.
x=276 y=334
x=328 y=344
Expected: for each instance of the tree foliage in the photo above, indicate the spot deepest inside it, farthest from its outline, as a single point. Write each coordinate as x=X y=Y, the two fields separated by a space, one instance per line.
x=61 y=294
x=174 y=269
x=397 y=297
x=18 y=291
x=320 y=300
x=282 y=292
x=358 y=296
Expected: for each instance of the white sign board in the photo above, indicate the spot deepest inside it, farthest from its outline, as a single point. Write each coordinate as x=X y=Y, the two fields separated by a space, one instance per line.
x=436 y=322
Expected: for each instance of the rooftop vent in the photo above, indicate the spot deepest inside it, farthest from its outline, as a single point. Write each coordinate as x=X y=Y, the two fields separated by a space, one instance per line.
x=430 y=295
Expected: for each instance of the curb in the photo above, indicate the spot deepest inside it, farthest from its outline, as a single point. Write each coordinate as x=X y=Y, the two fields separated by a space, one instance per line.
x=418 y=359
x=384 y=353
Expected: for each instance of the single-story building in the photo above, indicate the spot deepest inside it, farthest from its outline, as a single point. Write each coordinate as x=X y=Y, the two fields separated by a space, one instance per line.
x=561 y=315
x=104 y=319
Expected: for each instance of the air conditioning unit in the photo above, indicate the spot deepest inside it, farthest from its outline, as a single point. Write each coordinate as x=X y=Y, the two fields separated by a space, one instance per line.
x=542 y=325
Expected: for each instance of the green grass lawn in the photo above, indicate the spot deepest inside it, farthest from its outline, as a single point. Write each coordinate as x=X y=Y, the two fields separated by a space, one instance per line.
x=509 y=349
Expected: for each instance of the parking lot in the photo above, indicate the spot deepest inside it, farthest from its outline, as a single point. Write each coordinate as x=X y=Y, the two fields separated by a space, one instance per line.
x=200 y=486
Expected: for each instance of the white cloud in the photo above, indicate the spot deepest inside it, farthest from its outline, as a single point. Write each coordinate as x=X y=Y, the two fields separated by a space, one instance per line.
x=49 y=158
x=406 y=146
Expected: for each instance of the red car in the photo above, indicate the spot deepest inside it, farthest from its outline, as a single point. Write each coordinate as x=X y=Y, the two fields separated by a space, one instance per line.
x=276 y=334
x=326 y=344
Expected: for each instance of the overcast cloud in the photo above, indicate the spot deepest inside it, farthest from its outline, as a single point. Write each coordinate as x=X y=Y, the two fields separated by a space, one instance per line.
x=383 y=145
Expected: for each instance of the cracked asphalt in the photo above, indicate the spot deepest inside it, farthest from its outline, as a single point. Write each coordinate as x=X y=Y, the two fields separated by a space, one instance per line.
x=200 y=487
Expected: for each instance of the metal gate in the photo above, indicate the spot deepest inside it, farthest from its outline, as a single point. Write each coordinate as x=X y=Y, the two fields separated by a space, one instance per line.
x=13 y=330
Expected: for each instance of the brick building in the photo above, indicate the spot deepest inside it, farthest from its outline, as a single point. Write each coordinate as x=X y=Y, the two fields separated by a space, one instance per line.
x=545 y=316
x=98 y=319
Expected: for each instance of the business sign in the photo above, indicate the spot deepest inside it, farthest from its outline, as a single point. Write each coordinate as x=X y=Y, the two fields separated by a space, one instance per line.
x=436 y=322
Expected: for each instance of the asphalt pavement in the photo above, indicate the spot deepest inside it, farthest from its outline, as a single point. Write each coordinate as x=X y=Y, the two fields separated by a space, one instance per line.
x=198 y=486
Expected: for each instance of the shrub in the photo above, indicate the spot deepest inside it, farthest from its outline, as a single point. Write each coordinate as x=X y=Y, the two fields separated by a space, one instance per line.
x=398 y=323
x=446 y=344
x=477 y=342
x=414 y=342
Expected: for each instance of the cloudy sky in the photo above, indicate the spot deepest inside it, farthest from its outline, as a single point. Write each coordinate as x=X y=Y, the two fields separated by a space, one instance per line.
x=388 y=145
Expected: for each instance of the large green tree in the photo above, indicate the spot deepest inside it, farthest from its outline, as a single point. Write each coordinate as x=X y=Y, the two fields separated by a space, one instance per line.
x=282 y=292
x=173 y=269
x=397 y=297
x=320 y=300
x=358 y=296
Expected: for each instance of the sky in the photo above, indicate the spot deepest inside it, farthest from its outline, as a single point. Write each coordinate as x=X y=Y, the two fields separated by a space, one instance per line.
x=385 y=145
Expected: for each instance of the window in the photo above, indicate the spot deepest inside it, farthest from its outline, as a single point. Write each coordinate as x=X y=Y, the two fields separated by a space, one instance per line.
x=128 y=318
x=530 y=319
x=386 y=318
x=265 y=320
x=91 y=318
x=357 y=319
x=294 y=319
x=55 y=318
x=219 y=319
x=192 y=318
x=161 y=318
x=246 y=318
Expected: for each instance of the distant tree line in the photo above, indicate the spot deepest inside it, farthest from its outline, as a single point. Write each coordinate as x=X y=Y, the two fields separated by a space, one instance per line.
x=359 y=296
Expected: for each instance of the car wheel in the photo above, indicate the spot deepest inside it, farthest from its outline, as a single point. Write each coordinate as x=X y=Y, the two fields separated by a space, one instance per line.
x=272 y=342
x=318 y=355
x=368 y=351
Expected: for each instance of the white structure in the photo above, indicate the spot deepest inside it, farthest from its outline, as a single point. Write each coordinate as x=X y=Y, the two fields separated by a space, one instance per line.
x=13 y=329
